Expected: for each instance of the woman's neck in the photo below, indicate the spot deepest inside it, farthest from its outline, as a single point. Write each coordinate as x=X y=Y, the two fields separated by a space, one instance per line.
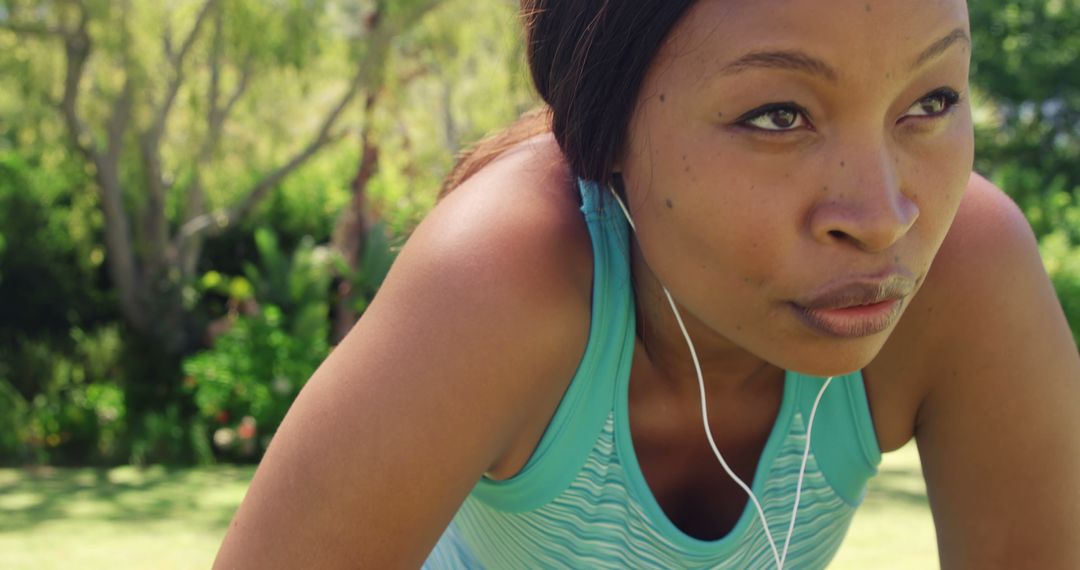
x=726 y=367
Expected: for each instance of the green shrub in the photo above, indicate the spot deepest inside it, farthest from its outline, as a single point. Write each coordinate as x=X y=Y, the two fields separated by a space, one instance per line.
x=13 y=426
x=78 y=415
x=1062 y=259
x=246 y=382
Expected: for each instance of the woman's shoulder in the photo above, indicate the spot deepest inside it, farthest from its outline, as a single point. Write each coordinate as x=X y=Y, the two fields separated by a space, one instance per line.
x=518 y=217
x=985 y=298
x=469 y=342
x=512 y=244
x=999 y=390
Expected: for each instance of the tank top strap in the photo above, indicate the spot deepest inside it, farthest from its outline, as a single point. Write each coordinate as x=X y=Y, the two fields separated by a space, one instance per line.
x=844 y=441
x=589 y=399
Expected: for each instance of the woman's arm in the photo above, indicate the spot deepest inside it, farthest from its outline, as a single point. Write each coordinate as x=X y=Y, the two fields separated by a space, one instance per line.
x=999 y=431
x=476 y=330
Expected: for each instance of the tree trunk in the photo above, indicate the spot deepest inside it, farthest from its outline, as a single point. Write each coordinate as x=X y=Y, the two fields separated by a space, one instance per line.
x=353 y=224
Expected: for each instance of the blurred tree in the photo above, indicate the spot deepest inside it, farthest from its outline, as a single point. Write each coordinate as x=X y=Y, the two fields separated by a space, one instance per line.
x=149 y=109
x=459 y=75
x=1026 y=64
x=253 y=92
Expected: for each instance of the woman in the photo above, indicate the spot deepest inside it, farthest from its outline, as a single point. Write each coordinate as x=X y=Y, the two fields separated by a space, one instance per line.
x=521 y=392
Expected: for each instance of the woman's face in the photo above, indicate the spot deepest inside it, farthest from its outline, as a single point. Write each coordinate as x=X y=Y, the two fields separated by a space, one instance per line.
x=794 y=165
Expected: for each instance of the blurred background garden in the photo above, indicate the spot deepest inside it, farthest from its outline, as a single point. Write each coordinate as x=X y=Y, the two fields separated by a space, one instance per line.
x=198 y=198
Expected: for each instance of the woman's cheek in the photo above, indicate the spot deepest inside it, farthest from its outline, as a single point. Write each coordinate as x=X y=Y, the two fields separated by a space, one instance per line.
x=941 y=164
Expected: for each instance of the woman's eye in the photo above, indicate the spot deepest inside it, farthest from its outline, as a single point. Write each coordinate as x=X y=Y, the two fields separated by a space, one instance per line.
x=775 y=118
x=937 y=103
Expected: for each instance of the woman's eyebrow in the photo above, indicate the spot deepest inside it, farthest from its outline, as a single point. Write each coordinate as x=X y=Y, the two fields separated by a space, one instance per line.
x=788 y=59
x=939 y=47
x=795 y=60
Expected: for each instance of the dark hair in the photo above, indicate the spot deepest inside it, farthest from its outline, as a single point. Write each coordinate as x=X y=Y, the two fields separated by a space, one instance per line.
x=588 y=59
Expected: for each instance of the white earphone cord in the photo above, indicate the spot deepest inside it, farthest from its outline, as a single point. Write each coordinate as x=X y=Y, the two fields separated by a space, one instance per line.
x=779 y=556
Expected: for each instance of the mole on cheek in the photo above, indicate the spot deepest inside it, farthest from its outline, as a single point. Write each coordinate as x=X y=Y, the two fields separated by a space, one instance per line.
x=842 y=164
x=662 y=98
x=869 y=8
x=669 y=203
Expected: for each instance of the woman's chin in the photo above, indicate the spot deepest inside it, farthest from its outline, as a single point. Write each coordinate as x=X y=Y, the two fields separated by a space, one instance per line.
x=824 y=361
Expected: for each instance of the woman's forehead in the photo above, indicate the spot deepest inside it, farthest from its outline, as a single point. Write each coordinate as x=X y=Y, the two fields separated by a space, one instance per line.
x=832 y=38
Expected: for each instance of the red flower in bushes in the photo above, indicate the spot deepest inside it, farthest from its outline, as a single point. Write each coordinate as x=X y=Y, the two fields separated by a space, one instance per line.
x=246 y=429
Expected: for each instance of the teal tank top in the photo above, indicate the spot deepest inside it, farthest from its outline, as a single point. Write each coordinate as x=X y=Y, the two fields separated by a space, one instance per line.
x=581 y=500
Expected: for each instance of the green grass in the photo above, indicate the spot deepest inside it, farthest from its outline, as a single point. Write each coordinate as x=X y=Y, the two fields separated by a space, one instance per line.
x=175 y=518
x=892 y=529
x=120 y=518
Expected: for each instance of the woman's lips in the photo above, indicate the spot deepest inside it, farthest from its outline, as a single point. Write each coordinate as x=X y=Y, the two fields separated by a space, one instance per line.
x=852 y=322
x=856 y=308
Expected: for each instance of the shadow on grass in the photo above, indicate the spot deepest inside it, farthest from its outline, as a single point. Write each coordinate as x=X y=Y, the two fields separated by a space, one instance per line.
x=204 y=496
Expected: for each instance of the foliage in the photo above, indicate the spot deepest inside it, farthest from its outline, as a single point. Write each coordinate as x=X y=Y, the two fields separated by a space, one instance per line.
x=1026 y=66
x=375 y=261
x=244 y=384
x=79 y=416
x=1026 y=58
x=1062 y=258
x=49 y=252
x=61 y=399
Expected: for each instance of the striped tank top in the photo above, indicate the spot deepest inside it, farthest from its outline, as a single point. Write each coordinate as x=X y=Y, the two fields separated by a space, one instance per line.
x=581 y=500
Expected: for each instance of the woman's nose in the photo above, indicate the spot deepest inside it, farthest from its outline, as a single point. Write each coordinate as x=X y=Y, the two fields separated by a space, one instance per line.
x=866 y=204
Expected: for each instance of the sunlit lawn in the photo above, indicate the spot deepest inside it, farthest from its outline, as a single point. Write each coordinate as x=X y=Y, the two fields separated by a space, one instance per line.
x=174 y=518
